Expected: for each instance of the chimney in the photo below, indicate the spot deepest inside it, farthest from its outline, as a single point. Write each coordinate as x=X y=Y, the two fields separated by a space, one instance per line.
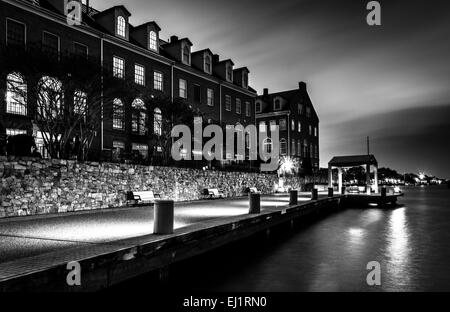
x=302 y=86
x=266 y=92
x=173 y=39
x=215 y=58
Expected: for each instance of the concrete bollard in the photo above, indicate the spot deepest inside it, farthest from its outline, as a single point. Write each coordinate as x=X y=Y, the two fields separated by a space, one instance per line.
x=254 y=203
x=293 y=197
x=343 y=190
x=314 y=194
x=330 y=192
x=163 y=217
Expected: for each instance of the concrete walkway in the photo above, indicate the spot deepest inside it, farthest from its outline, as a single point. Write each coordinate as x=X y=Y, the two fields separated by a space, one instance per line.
x=29 y=237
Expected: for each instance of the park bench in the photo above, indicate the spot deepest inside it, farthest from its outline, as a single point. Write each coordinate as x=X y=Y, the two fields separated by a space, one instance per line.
x=213 y=193
x=141 y=197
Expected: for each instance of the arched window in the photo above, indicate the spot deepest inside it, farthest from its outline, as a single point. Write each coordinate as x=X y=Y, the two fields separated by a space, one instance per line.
x=153 y=41
x=186 y=54
x=50 y=97
x=283 y=147
x=157 y=121
x=258 y=107
x=277 y=104
x=16 y=94
x=121 y=26
x=208 y=67
x=139 y=117
x=118 y=115
x=267 y=145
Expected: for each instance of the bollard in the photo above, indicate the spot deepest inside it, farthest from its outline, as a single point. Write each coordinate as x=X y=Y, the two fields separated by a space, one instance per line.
x=343 y=190
x=330 y=192
x=163 y=217
x=293 y=197
x=314 y=194
x=254 y=203
x=383 y=192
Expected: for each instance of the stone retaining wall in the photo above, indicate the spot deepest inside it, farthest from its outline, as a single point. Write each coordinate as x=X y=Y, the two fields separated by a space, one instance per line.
x=36 y=186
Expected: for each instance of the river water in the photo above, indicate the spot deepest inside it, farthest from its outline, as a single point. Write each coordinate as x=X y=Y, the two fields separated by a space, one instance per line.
x=410 y=242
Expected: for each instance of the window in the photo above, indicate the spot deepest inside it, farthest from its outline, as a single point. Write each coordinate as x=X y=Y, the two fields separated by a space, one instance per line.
x=305 y=148
x=245 y=80
x=118 y=149
x=139 y=117
x=229 y=73
x=277 y=104
x=299 y=148
x=183 y=88
x=50 y=44
x=118 y=67
x=15 y=33
x=258 y=107
x=299 y=127
x=50 y=97
x=310 y=130
x=16 y=94
x=121 y=26
x=79 y=102
x=187 y=55
x=308 y=112
x=80 y=50
x=262 y=127
x=208 y=66
x=228 y=103
x=267 y=145
x=139 y=74
x=157 y=121
x=118 y=115
x=282 y=124
x=238 y=106
x=292 y=147
x=153 y=41
x=283 y=147
x=248 y=108
x=197 y=94
x=315 y=131
x=158 y=81
x=210 y=94
x=40 y=143
x=273 y=125
x=141 y=149
x=13 y=132
x=311 y=150
x=300 y=108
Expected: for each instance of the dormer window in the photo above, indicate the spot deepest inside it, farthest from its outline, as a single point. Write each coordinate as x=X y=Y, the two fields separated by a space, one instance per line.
x=245 y=80
x=187 y=55
x=208 y=66
x=277 y=104
x=153 y=41
x=121 y=26
x=230 y=73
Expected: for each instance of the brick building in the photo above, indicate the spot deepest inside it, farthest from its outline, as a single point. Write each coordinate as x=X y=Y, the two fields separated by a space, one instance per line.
x=136 y=52
x=297 y=119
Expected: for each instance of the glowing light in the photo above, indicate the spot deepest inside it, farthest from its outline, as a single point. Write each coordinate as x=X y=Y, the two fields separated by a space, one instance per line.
x=421 y=176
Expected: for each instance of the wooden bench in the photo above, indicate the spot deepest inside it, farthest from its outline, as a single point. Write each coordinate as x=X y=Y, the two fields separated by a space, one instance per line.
x=213 y=193
x=140 y=197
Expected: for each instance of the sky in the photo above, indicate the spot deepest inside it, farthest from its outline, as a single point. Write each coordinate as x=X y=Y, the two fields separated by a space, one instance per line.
x=389 y=82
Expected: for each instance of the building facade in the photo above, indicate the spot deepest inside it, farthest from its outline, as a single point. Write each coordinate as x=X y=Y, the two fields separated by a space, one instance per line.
x=298 y=123
x=211 y=86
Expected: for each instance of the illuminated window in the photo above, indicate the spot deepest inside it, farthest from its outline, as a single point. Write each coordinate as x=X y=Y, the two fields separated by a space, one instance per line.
x=283 y=124
x=248 y=108
x=142 y=149
x=262 y=127
x=118 y=115
x=273 y=125
x=187 y=55
x=299 y=127
x=50 y=97
x=121 y=26
x=118 y=149
x=15 y=33
x=139 y=74
x=79 y=102
x=183 y=89
x=13 y=132
x=16 y=94
x=153 y=41
x=228 y=103
x=292 y=124
x=315 y=131
x=283 y=147
x=210 y=97
x=158 y=81
x=118 y=67
x=238 y=106
x=139 y=117
x=208 y=66
x=157 y=121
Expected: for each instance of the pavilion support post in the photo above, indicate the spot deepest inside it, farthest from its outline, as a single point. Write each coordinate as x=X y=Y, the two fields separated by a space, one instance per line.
x=375 y=175
x=330 y=176
x=340 y=178
x=368 y=179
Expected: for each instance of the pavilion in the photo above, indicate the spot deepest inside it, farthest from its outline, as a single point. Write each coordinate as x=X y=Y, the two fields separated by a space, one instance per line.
x=341 y=162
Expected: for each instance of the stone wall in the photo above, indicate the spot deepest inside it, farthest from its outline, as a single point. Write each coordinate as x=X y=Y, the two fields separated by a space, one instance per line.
x=35 y=186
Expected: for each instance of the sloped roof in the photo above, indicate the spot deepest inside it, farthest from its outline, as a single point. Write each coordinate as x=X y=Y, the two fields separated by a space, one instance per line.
x=353 y=160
